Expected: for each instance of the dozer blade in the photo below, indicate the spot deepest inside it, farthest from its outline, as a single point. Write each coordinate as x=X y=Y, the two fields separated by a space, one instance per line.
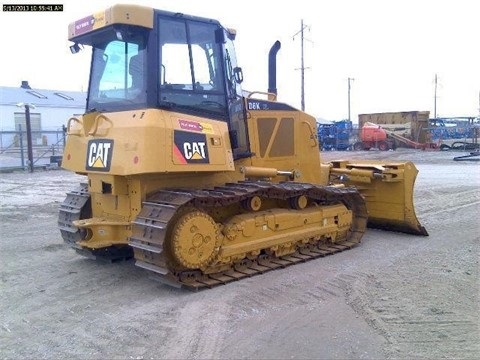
x=388 y=191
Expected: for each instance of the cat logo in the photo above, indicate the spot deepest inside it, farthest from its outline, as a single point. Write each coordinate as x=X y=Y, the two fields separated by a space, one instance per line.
x=99 y=155
x=194 y=150
x=190 y=148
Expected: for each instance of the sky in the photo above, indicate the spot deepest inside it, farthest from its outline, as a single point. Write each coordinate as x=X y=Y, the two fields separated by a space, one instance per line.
x=392 y=50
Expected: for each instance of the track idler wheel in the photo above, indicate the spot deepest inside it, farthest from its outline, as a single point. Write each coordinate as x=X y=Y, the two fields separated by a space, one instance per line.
x=252 y=204
x=298 y=202
x=195 y=239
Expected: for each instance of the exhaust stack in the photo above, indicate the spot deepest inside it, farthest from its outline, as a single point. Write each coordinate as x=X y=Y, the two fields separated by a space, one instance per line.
x=272 y=70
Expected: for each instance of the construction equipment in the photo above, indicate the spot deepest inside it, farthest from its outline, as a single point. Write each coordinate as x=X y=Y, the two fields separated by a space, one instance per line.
x=411 y=143
x=375 y=136
x=335 y=135
x=198 y=181
x=473 y=156
x=459 y=127
x=413 y=125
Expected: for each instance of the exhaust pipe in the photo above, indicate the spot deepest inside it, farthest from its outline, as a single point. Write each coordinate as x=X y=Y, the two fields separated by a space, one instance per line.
x=272 y=70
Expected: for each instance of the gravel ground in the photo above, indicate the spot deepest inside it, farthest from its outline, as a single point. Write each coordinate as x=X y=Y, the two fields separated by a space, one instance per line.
x=395 y=296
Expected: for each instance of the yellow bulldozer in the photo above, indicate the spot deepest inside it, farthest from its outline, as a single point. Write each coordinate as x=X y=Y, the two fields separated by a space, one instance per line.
x=199 y=181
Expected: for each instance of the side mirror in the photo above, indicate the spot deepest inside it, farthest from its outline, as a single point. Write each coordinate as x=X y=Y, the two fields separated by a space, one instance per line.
x=238 y=75
x=75 y=48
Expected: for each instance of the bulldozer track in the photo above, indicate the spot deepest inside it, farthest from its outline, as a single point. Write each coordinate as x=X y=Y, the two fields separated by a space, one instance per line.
x=150 y=229
x=76 y=206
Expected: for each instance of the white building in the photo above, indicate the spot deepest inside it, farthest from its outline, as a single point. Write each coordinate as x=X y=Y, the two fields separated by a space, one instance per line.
x=50 y=112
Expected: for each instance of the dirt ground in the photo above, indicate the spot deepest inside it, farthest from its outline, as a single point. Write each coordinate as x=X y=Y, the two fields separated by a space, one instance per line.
x=395 y=296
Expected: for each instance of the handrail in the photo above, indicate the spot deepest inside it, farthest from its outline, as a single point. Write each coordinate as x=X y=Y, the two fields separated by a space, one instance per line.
x=268 y=94
x=69 y=123
x=312 y=132
x=96 y=122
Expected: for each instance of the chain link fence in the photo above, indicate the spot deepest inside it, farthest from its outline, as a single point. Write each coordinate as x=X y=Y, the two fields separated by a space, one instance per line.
x=47 y=149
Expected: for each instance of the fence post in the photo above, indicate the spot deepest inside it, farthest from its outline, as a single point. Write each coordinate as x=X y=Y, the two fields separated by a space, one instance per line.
x=64 y=132
x=20 y=137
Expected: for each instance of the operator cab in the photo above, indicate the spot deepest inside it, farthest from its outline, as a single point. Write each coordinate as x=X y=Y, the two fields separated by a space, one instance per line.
x=183 y=64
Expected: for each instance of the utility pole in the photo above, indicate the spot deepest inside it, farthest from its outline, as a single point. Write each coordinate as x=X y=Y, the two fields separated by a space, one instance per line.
x=29 y=138
x=302 y=68
x=435 y=99
x=303 y=71
x=349 y=89
x=29 y=134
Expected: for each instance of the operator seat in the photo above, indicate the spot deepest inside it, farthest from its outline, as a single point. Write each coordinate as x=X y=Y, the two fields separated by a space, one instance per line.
x=135 y=69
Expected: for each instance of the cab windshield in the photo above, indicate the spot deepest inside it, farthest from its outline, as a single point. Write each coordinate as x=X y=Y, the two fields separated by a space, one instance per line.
x=191 y=71
x=118 y=72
